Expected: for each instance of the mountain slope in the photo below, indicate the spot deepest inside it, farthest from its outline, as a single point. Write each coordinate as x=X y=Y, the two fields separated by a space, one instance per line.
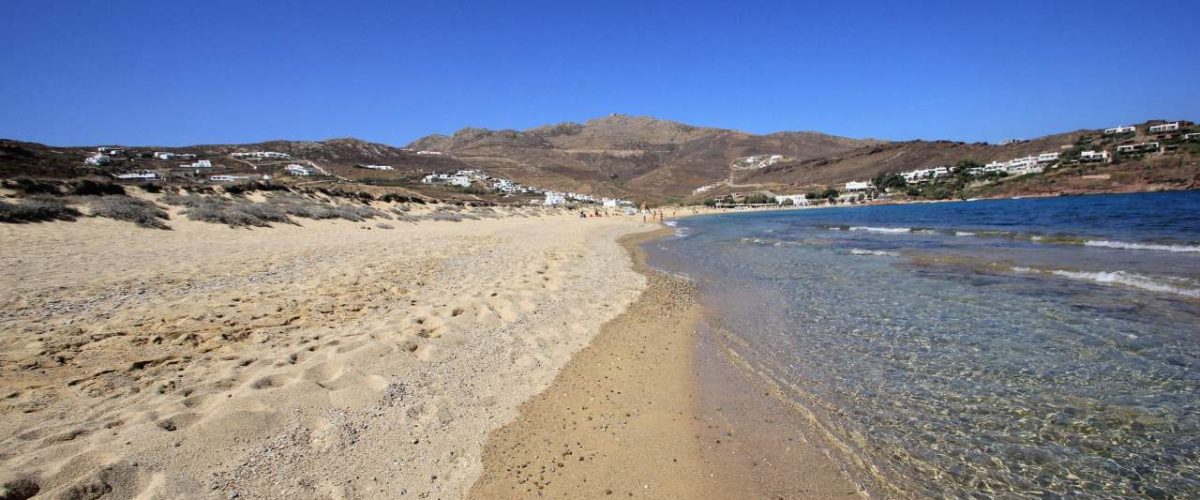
x=621 y=155
x=633 y=157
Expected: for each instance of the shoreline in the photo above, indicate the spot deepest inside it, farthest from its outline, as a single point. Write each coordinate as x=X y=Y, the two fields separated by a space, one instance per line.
x=644 y=411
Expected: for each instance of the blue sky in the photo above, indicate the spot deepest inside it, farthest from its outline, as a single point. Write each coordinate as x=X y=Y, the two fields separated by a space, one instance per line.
x=180 y=72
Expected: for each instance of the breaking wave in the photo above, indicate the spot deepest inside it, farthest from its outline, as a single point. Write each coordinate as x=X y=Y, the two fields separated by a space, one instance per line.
x=887 y=230
x=881 y=253
x=1177 y=286
x=1142 y=246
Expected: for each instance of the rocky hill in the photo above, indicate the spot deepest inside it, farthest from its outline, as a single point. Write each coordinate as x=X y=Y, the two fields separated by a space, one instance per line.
x=627 y=156
x=640 y=158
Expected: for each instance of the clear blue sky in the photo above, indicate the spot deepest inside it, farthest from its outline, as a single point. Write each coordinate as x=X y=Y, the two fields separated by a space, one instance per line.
x=174 y=72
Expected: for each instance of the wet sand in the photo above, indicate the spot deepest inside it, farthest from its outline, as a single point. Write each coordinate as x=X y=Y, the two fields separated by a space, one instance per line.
x=655 y=407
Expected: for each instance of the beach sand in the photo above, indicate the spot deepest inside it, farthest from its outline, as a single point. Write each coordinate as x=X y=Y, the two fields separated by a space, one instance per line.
x=333 y=360
x=503 y=358
x=654 y=408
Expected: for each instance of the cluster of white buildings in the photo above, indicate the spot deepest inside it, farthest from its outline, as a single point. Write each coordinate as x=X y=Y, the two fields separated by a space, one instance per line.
x=461 y=178
x=467 y=178
x=260 y=155
x=924 y=175
x=430 y=153
x=1033 y=164
x=557 y=198
x=758 y=161
x=1161 y=128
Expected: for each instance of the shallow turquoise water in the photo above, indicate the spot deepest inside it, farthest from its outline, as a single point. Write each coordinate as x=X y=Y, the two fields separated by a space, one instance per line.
x=1035 y=347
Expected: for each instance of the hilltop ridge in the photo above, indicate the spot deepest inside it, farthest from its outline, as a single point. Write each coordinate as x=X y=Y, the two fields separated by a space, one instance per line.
x=635 y=157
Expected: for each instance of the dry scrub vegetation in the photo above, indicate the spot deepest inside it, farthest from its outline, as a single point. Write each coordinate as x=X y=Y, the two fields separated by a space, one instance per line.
x=252 y=204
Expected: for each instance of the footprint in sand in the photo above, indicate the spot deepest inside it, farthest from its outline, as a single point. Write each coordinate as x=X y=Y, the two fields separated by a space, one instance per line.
x=271 y=381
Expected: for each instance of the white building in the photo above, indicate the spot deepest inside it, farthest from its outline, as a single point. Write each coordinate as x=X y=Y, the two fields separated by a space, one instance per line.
x=503 y=185
x=376 y=167
x=227 y=178
x=299 y=170
x=97 y=159
x=139 y=175
x=924 y=175
x=261 y=155
x=853 y=186
x=1166 y=127
x=1138 y=148
x=1093 y=156
x=460 y=180
x=435 y=179
x=1048 y=157
x=423 y=153
x=553 y=198
x=1128 y=129
x=198 y=164
x=1194 y=136
x=1022 y=166
x=797 y=199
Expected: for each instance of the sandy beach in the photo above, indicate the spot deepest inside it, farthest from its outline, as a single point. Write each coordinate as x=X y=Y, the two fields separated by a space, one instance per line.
x=656 y=408
x=332 y=360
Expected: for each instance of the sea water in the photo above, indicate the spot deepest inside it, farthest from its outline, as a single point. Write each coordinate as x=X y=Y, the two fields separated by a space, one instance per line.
x=1029 y=348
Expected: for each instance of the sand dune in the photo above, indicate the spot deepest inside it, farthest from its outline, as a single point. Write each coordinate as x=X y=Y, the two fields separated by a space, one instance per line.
x=331 y=360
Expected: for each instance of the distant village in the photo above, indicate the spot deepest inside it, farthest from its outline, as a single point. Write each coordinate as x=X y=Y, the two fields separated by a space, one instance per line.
x=188 y=166
x=1111 y=145
x=1167 y=138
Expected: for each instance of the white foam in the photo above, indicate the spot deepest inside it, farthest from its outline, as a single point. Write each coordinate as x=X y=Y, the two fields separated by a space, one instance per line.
x=880 y=253
x=964 y=233
x=888 y=230
x=671 y=223
x=1130 y=279
x=1142 y=246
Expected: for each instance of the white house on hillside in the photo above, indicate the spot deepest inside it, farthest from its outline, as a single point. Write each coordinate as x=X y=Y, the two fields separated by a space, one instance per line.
x=553 y=198
x=197 y=164
x=1092 y=156
x=139 y=175
x=1165 y=127
x=1129 y=129
x=299 y=170
x=797 y=199
x=853 y=186
x=1138 y=148
x=97 y=159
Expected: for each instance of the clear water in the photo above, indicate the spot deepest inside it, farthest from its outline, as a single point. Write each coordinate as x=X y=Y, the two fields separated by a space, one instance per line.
x=1014 y=348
